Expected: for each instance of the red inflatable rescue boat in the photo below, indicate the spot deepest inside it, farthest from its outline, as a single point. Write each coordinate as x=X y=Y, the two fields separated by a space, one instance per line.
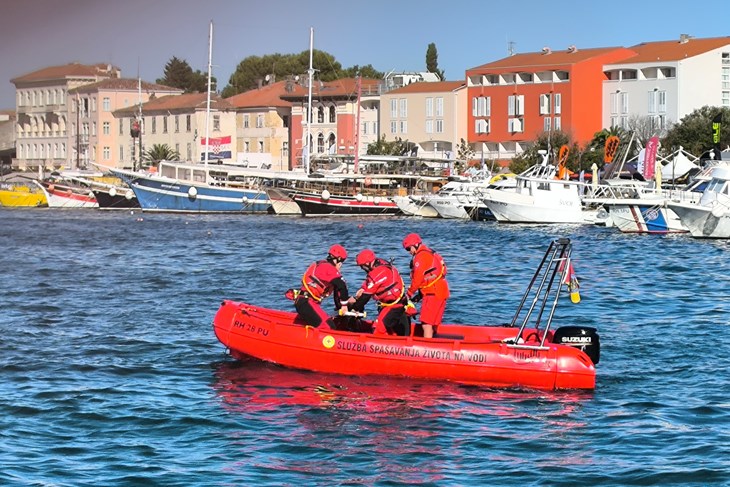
x=521 y=354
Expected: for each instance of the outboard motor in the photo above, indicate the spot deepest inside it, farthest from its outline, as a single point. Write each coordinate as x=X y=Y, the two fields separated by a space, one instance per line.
x=583 y=338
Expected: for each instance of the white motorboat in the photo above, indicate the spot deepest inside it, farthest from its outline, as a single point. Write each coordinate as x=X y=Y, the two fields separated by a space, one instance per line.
x=450 y=201
x=710 y=218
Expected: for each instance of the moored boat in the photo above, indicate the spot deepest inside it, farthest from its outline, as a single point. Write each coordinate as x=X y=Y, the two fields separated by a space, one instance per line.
x=21 y=195
x=522 y=354
x=66 y=195
x=710 y=217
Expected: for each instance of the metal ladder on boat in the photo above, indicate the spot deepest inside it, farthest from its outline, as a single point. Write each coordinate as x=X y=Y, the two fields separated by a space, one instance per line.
x=542 y=294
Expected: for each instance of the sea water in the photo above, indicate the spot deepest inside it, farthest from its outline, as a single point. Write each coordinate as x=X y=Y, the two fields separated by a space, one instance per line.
x=111 y=374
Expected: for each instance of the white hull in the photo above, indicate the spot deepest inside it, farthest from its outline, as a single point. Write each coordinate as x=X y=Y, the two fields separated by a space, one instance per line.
x=703 y=221
x=514 y=207
x=415 y=206
x=282 y=203
x=448 y=207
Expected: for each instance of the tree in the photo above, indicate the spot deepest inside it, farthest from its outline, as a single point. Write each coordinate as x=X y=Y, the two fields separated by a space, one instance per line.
x=367 y=71
x=179 y=74
x=551 y=142
x=432 y=61
x=464 y=151
x=694 y=131
x=160 y=152
x=382 y=147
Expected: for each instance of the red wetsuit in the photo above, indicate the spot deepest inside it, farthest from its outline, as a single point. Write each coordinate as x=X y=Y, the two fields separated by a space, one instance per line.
x=428 y=275
x=319 y=281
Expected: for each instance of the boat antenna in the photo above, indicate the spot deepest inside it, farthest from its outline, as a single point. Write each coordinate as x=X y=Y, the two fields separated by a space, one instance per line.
x=139 y=115
x=310 y=72
x=207 y=101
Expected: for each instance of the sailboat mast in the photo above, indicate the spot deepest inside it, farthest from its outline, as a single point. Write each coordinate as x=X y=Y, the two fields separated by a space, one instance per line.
x=139 y=117
x=357 y=124
x=310 y=72
x=207 y=101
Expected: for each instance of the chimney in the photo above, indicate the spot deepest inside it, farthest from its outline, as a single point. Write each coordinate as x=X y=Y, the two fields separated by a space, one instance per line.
x=572 y=49
x=684 y=38
x=546 y=50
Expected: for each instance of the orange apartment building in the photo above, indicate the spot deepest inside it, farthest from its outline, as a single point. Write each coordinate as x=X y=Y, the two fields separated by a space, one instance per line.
x=513 y=100
x=335 y=112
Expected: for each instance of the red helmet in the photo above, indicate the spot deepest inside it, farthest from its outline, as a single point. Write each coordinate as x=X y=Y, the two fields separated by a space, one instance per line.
x=338 y=252
x=411 y=240
x=366 y=256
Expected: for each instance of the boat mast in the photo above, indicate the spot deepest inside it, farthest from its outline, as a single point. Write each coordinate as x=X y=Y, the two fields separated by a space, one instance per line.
x=357 y=124
x=310 y=72
x=139 y=117
x=207 y=101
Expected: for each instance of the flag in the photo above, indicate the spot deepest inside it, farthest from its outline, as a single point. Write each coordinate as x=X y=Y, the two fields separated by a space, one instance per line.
x=218 y=147
x=716 y=122
x=610 y=149
x=650 y=157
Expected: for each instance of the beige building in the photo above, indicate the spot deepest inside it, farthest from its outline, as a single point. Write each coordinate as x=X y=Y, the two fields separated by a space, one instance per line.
x=262 y=125
x=432 y=115
x=44 y=136
x=178 y=121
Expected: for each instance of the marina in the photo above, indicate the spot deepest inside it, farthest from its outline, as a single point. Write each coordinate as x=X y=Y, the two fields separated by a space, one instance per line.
x=141 y=368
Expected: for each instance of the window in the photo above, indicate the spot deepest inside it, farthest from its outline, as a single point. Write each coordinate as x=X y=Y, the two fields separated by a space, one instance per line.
x=514 y=125
x=439 y=107
x=177 y=149
x=429 y=107
x=556 y=123
x=652 y=101
x=216 y=122
x=188 y=123
x=121 y=126
x=624 y=103
x=558 y=98
x=393 y=108
x=614 y=104
x=545 y=105
x=246 y=121
x=333 y=115
x=439 y=126
x=364 y=128
x=177 y=123
x=404 y=126
x=106 y=104
x=546 y=124
x=515 y=105
x=106 y=128
x=261 y=146
x=661 y=101
x=93 y=104
x=154 y=125
x=164 y=125
x=189 y=154
x=121 y=153
x=393 y=127
x=285 y=149
x=429 y=126
x=107 y=153
x=403 y=112
x=482 y=126
x=246 y=146
x=259 y=121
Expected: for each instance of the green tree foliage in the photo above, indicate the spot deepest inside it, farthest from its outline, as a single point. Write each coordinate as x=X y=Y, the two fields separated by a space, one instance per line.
x=254 y=69
x=179 y=74
x=432 y=61
x=464 y=151
x=550 y=141
x=382 y=147
x=694 y=131
x=160 y=152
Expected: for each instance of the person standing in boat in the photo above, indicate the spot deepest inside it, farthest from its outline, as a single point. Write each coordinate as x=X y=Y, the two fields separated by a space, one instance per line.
x=384 y=283
x=321 y=279
x=428 y=283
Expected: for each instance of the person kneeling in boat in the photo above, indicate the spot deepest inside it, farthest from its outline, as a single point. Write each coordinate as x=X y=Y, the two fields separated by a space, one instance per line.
x=428 y=282
x=321 y=279
x=383 y=283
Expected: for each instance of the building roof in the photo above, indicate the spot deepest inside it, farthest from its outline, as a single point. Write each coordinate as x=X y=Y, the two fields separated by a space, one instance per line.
x=340 y=88
x=545 y=59
x=675 y=50
x=430 y=87
x=122 y=84
x=72 y=70
x=266 y=96
x=178 y=103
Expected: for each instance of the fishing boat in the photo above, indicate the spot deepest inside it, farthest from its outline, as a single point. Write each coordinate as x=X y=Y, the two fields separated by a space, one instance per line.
x=15 y=194
x=526 y=353
x=63 y=194
x=710 y=217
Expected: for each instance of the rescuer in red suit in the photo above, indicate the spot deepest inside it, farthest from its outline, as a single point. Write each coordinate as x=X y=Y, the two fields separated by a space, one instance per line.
x=384 y=284
x=321 y=279
x=428 y=282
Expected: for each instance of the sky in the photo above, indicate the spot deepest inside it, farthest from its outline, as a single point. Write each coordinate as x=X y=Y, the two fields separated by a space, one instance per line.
x=141 y=36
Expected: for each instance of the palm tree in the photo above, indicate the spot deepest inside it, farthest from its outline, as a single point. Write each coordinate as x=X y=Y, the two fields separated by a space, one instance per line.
x=160 y=152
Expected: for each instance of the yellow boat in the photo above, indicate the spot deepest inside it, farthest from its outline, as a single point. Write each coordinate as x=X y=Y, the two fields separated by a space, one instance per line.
x=21 y=195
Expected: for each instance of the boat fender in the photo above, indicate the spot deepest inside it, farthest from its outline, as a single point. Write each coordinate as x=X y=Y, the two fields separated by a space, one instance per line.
x=113 y=192
x=193 y=192
x=358 y=196
x=129 y=194
x=325 y=195
x=583 y=338
x=377 y=200
x=245 y=200
x=91 y=194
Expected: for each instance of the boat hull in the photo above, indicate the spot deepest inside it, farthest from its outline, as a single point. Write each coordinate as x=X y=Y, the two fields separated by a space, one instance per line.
x=316 y=205
x=163 y=195
x=282 y=202
x=645 y=218
x=21 y=196
x=464 y=354
x=60 y=196
x=703 y=221
x=121 y=199
x=415 y=205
